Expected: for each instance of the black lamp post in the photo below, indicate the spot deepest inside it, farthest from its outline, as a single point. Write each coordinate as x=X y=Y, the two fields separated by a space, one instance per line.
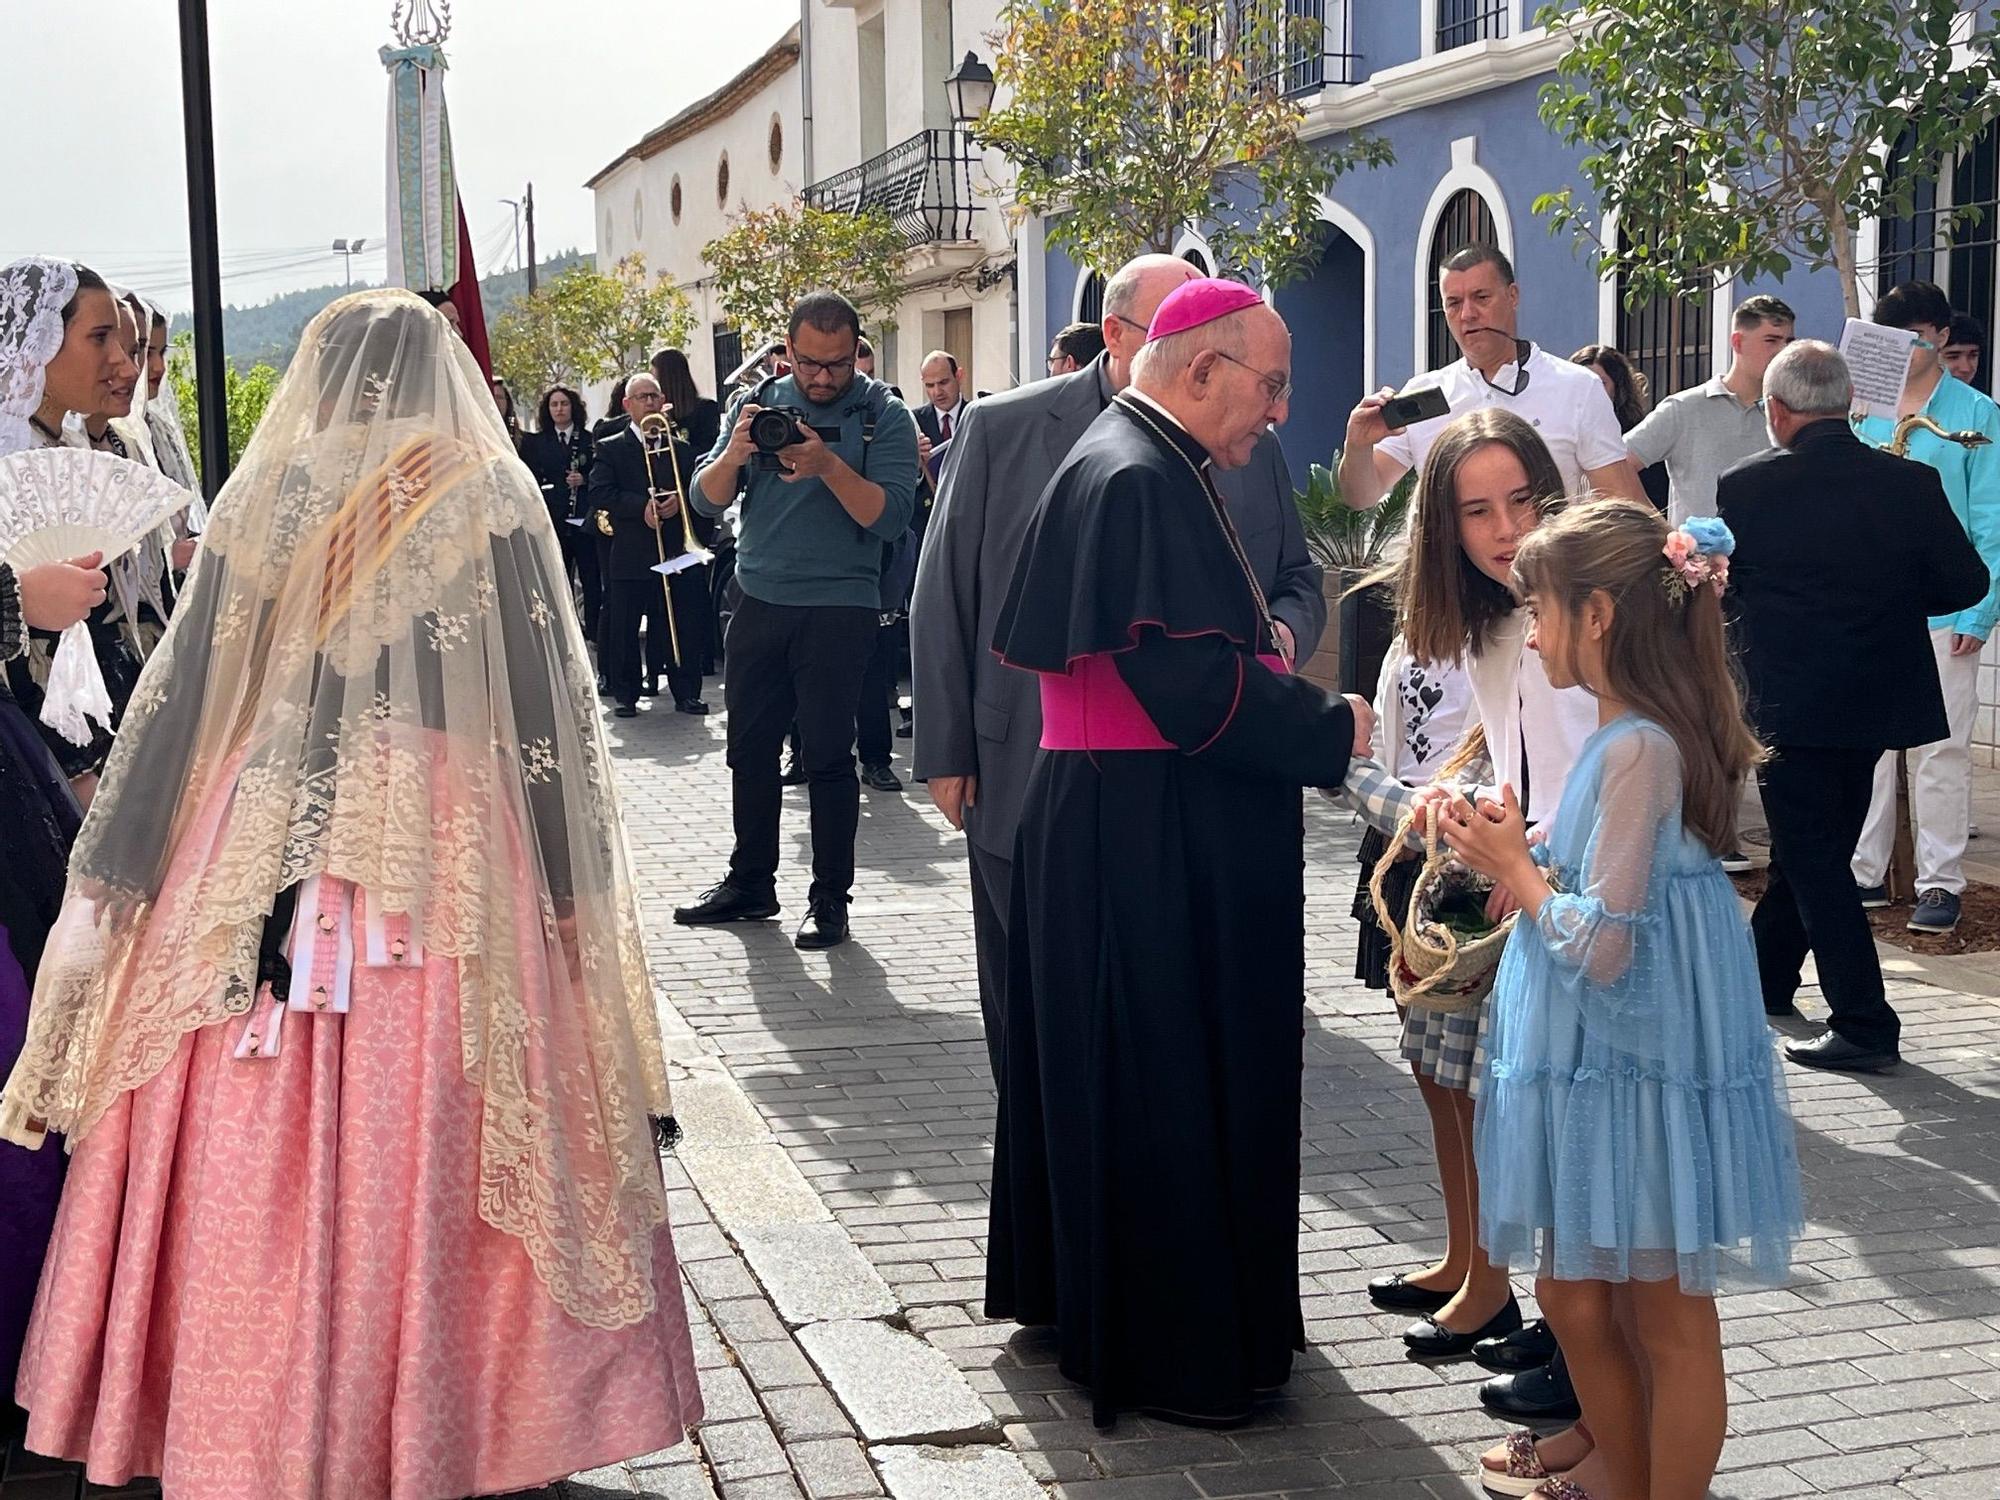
x=204 y=249
x=970 y=88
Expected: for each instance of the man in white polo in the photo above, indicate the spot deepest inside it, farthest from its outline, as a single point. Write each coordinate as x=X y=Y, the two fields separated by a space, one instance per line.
x=1566 y=403
x=1708 y=428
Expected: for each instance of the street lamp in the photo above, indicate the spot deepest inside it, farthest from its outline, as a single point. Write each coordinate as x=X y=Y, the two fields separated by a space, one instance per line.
x=348 y=249
x=970 y=89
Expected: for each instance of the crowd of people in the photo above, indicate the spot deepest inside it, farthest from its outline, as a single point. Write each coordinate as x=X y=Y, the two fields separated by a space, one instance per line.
x=340 y=989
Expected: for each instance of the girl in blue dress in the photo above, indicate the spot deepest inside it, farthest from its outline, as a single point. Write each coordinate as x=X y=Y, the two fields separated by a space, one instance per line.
x=1632 y=1138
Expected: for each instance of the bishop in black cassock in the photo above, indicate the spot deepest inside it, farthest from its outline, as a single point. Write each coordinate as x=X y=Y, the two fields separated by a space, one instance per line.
x=1146 y=1163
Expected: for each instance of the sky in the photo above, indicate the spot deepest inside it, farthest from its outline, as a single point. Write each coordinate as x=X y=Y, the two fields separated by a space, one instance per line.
x=90 y=105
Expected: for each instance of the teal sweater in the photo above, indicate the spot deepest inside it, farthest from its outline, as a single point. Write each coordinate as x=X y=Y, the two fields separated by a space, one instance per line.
x=795 y=543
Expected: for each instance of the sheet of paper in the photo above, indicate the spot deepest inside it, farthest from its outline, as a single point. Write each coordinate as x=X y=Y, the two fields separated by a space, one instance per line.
x=1878 y=359
x=573 y=520
x=685 y=561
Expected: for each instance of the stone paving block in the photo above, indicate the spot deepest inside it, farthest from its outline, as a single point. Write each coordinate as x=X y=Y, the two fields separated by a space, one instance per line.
x=600 y=1484
x=894 y=1385
x=806 y=1411
x=813 y=1273
x=965 y=1473
x=833 y=1469
x=741 y=1450
x=748 y=1186
x=679 y=1482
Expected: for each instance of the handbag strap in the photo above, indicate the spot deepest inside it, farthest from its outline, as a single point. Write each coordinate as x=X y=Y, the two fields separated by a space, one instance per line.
x=1434 y=859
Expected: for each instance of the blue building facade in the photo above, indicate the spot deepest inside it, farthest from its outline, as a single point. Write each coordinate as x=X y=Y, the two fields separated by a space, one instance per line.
x=1453 y=86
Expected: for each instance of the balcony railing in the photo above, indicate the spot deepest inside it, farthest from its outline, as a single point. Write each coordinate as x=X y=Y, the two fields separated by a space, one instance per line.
x=923 y=184
x=1317 y=56
x=1460 y=23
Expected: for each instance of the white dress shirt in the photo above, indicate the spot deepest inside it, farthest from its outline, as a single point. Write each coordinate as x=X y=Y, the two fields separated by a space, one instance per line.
x=1566 y=403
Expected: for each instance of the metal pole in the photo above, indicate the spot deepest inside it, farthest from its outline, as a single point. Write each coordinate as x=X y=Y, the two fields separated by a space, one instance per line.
x=530 y=204
x=204 y=247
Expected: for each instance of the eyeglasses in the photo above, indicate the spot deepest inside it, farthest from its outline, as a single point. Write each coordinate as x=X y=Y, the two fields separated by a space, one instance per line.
x=804 y=366
x=1276 y=388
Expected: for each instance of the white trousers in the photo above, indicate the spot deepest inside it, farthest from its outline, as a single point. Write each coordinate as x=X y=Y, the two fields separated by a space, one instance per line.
x=1940 y=787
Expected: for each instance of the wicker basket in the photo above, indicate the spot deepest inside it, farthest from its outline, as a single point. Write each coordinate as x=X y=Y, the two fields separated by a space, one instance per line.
x=1428 y=966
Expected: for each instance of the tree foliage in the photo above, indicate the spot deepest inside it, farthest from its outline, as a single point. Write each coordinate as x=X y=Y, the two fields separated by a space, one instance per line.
x=771 y=257
x=1747 y=137
x=247 y=393
x=1127 y=121
x=584 y=326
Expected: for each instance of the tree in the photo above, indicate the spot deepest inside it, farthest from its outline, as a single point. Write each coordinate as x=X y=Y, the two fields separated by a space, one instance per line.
x=1128 y=121
x=1749 y=136
x=584 y=326
x=246 y=394
x=771 y=257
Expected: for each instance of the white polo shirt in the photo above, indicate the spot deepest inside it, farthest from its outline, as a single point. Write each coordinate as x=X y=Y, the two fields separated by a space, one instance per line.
x=1566 y=403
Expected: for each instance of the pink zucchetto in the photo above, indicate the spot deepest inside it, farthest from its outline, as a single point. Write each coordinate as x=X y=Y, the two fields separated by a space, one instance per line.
x=1200 y=301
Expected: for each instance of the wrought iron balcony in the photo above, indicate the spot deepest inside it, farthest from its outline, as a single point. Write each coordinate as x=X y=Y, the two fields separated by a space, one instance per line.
x=1313 y=54
x=923 y=184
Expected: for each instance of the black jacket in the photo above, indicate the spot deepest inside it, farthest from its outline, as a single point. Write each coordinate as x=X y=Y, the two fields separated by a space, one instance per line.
x=549 y=459
x=618 y=487
x=1842 y=554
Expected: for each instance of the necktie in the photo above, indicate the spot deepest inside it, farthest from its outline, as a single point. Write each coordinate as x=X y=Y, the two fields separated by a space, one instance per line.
x=944 y=427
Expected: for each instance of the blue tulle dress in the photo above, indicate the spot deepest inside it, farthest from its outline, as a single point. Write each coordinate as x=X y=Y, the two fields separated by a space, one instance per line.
x=1632 y=1123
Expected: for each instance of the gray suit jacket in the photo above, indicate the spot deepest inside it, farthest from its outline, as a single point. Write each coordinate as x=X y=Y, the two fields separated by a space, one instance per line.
x=978 y=717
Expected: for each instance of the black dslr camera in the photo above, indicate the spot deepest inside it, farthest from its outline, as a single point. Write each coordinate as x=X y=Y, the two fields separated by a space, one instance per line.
x=775 y=428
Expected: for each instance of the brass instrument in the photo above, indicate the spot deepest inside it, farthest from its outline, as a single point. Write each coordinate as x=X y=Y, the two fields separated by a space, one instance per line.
x=1916 y=422
x=657 y=422
x=1900 y=879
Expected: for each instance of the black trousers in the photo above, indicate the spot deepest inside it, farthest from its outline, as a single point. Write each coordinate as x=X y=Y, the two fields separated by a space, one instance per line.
x=581 y=549
x=631 y=600
x=992 y=886
x=789 y=662
x=874 y=734
x=599 y=546
x=1816 y=801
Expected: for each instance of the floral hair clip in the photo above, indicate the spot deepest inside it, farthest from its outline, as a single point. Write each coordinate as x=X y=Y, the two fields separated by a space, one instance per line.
x=1697 y=553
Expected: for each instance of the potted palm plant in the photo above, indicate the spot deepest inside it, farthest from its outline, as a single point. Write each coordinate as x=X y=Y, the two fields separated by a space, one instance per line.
x=1351 y=544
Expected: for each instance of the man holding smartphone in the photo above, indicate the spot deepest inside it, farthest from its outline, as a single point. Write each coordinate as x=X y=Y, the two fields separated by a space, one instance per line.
x=1566 y=403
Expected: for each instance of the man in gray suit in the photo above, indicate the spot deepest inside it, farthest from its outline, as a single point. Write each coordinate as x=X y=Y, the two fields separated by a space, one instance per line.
x=979 y=722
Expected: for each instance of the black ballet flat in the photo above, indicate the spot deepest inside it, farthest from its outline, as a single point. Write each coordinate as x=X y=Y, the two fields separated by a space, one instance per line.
x=1394 y=1294
x=1427 y=1338
x=1527 y=1348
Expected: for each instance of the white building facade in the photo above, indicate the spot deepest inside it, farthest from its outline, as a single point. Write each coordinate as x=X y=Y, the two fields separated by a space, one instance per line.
x=675 y=190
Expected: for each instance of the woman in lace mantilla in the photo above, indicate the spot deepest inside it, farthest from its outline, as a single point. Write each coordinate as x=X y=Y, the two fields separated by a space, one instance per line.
x=347 y=1013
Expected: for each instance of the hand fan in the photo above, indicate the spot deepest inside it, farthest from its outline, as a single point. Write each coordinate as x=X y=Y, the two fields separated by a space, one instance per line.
x=59 y=503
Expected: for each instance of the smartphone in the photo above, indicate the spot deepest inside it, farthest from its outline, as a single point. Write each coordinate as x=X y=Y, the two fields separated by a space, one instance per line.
x=1415 y=406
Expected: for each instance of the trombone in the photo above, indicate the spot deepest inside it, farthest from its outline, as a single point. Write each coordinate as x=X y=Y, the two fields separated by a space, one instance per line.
x=658 y=423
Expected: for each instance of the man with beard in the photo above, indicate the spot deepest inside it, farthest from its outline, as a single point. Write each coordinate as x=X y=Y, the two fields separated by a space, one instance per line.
x=816 y=512
x=1146 y=1156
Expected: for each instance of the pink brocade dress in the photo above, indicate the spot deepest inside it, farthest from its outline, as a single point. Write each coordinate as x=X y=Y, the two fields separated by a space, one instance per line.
x=269 y=1280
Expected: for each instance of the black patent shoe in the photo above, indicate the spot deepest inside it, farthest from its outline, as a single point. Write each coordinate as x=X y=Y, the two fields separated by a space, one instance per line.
x=1533 y=1396
x=825 y=926
x=626 y=711
x=726 y=903
x=1394 y=1294
x=1527 y=1348
x=690 y=706
x=1835 y=1053
x=1427 y=1338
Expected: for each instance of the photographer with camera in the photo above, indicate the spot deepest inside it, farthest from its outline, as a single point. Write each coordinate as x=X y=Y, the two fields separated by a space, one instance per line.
x=825 y=462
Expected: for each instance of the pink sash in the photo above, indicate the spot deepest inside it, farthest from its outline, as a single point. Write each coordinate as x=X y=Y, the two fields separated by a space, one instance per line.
x=1091 y=708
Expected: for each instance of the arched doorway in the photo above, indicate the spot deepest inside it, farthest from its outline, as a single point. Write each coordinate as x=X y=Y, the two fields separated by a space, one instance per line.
x=1327 y=313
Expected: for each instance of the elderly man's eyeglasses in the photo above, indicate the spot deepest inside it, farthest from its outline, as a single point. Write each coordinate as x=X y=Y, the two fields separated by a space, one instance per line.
x=1276 y=387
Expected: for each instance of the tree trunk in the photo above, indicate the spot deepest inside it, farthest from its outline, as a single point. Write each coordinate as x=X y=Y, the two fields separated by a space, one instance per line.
x=1841 y=232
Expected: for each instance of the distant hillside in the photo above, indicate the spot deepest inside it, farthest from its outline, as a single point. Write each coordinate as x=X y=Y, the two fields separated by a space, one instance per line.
x=269 y=333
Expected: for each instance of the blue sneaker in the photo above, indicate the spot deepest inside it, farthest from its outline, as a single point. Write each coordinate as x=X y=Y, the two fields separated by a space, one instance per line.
x=1937 y=911
x=1873 y=897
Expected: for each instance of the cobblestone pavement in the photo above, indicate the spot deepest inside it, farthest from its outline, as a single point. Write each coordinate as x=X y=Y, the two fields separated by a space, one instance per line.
x=830 y=1205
